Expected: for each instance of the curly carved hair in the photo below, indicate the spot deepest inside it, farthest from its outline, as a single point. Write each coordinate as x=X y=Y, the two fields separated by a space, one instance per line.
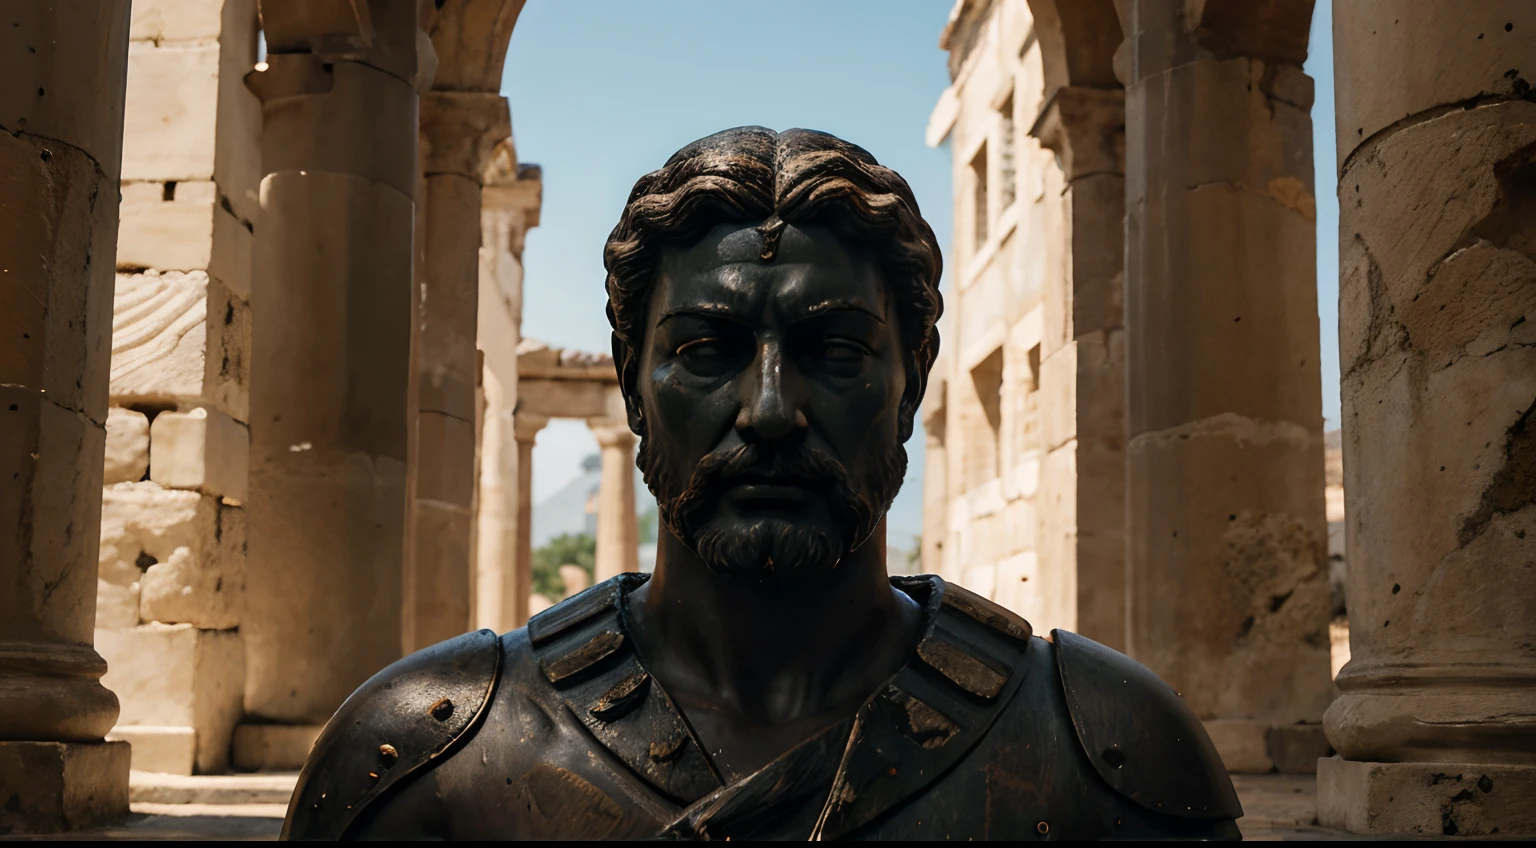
x=799 y=177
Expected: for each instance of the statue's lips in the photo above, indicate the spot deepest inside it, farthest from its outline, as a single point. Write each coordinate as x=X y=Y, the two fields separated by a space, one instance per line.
x=764 y=493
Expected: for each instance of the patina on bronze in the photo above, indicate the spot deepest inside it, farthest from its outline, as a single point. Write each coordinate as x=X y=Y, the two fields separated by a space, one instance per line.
x=774 y=299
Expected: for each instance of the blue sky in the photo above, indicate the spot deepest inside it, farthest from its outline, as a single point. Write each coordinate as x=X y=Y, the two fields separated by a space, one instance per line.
x=603 y=91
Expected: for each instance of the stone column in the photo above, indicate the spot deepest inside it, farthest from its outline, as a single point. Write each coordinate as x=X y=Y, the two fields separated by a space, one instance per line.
x=618 y=534
x=458 y=132
x=62 y=72
x=525 y=429
x=330 y=354
x=1226 y=574
x=1082 y=369
x=1436 y=724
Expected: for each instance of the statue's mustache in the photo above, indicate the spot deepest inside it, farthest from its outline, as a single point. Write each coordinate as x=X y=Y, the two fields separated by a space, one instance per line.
x=800 y=465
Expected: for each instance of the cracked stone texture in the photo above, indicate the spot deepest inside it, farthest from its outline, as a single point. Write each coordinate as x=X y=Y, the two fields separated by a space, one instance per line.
x=183 y=551
x=1438 y=345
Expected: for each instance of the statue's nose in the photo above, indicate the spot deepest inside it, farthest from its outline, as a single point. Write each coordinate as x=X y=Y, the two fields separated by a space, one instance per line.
x=771 y=409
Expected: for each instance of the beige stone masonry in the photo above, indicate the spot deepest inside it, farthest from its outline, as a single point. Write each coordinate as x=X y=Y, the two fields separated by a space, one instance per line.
x=127 y=451
x=180 y=339
x=178 y=676
x=185 y=551
x=202 y=449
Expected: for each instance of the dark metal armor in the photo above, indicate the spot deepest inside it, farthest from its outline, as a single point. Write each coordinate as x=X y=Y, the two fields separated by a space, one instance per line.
x=558 y=731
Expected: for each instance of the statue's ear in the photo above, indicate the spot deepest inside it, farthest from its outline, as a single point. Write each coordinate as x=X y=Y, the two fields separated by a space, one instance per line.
x=623 y=363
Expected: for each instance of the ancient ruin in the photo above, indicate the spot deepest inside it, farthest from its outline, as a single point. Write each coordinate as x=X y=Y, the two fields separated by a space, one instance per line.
x=293 y=420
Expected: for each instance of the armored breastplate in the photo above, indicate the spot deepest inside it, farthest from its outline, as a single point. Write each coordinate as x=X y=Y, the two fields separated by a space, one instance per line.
x=987 y=732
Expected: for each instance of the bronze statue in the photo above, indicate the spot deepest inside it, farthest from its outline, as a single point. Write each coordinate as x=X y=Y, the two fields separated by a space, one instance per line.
x=773 y=298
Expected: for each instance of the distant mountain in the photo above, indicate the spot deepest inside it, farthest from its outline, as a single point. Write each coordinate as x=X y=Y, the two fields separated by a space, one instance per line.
x=572 y=508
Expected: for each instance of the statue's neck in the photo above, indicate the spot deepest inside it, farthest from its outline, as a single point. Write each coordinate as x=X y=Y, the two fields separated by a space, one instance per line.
x=773 y=654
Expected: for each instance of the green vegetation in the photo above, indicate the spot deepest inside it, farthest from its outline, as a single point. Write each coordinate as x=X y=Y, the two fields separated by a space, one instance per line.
x=565 y=549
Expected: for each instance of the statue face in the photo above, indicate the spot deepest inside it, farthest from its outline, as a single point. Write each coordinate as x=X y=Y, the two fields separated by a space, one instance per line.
x=770 y=395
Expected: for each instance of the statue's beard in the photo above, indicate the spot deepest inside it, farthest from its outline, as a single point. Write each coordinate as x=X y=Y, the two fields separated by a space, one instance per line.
x=772 y=550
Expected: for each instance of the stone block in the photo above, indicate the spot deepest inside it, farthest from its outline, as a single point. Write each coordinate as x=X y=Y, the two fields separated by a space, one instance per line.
x=181 y=338
x=232 y=258
x=169 y=115
x=225 y=790
x=274 y=747
x=50 y=462
x=1240 y=742
x=117 y=604
x=446 y=459
x=1449 y=799
x=178 y=676
x=127 y=456
x=201 y=449
x=1058 y=397
x=167 y=750
x=53 y=787
x=174 y=234
x=1296 y=748
x=175 y=20
x=186 y=550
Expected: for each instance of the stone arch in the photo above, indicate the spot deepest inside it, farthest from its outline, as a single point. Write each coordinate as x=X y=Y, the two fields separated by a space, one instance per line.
x=1077 y=42
x=471 y=38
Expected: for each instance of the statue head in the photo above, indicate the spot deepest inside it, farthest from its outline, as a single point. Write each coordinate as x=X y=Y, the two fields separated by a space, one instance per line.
x=773 y=298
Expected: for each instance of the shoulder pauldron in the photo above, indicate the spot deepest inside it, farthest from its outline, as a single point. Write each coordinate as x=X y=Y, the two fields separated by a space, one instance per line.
x=395 y=724
x=1140 y=735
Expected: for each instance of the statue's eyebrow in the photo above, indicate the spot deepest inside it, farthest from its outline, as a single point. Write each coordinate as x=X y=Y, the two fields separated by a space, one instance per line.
x=698 y=310
x=840 y=305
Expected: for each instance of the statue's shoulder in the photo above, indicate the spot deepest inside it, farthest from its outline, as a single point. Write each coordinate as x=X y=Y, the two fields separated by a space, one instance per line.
x=1140 y=736
x=402 y=720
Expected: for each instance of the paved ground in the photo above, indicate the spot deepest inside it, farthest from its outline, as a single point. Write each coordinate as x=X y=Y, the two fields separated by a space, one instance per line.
x=251 y=807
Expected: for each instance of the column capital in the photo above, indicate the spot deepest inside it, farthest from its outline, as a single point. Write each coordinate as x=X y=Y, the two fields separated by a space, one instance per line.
x=526 y=427
x=460 y=130
x=611 y=433
x=1085 y=128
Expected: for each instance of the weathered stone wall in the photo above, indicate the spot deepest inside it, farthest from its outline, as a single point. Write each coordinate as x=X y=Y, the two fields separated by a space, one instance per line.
x=1025 y=412
x=172 y=562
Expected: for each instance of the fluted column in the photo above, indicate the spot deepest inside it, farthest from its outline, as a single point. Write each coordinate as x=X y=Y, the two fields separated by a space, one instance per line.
x=525 y=429
x=330 y=350
x=62 y=73
x=458 y=132
x=1435 y=726
x=618 y=536
x=1226 y=578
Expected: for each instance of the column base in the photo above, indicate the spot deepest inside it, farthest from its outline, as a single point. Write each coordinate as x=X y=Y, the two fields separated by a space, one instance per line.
x=1450 y=799
x=54 y=787
x=1259 y=747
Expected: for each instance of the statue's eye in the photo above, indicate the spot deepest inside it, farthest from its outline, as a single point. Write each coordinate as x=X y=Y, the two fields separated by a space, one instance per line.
x=843 y=356
x=705 y=348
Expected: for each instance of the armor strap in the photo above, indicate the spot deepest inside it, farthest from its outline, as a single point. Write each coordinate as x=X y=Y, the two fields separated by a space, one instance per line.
x=969 y=665
x=398 y=723
x=1140 y=735
x=585 y=653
